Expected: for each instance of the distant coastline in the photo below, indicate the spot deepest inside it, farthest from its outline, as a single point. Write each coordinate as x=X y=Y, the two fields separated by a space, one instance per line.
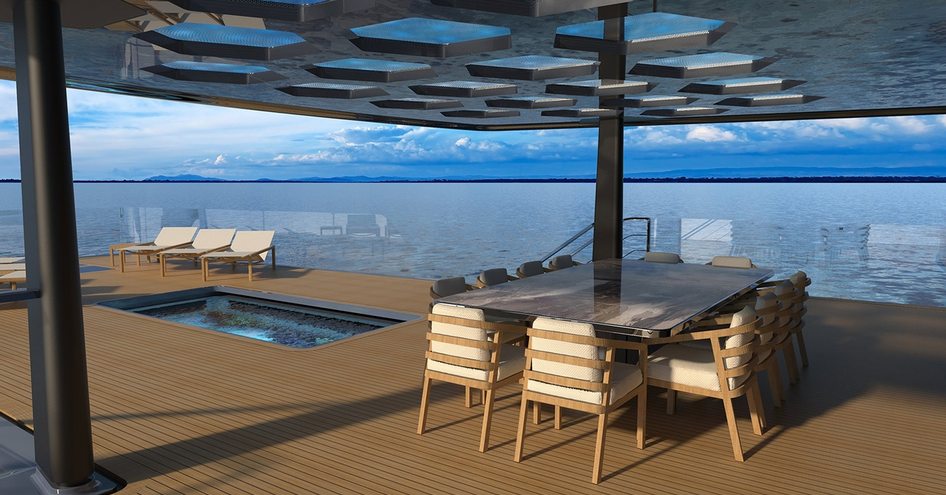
x=627 y=180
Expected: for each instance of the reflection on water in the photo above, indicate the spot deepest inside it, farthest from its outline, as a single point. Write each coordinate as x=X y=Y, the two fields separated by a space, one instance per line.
x=883 y=242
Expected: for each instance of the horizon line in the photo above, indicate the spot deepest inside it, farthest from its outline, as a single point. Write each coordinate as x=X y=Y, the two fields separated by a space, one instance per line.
x=781 y=179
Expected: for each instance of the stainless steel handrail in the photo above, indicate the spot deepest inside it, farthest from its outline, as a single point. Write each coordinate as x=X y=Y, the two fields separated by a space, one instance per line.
x=561 y=247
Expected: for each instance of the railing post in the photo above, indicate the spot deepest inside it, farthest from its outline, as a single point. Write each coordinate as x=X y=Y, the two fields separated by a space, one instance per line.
x=62 y=429
x=609 y=184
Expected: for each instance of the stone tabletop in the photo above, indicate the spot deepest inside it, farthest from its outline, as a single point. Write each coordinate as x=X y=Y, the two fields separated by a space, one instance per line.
x=621 y=296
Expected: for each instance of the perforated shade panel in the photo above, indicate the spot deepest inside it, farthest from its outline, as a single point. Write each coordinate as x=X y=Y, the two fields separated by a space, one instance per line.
x=862 y=58
x=431 y=37
x=286 y=10
x=183 y=70
x=532 y=102
x=768 y=100
x=648 y=101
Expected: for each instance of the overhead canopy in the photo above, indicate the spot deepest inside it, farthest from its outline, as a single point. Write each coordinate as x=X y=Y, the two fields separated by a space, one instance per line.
x=455 y=63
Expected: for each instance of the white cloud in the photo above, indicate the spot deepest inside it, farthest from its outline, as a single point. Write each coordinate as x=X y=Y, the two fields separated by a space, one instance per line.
x=220 y=160
x=710 y=134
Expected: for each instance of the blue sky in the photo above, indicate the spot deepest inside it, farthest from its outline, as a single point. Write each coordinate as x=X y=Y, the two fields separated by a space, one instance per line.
x=121 y=137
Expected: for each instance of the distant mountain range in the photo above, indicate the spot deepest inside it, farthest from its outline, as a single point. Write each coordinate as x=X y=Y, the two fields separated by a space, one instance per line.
x=711 y=174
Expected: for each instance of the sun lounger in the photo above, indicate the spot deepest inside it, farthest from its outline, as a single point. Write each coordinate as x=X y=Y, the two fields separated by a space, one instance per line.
x=206 y=242
x=13 y=278
x=247 y=246
x=7 y=261
x=168 y=238
x=12 y=267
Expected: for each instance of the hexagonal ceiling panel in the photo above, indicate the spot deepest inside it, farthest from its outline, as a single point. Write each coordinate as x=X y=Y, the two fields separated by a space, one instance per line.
x=701 y=65
x=768 y=100
x=532 y=8
x=227 y=41
x=599 y=87
x=431 y=37
x=285 y=10
x=683 y=111
x=184 y=70
x=481 y=114
x=333 y=90
x=366 y=69
x=533 y=67
x=532 y=102
x=580 y=112
x=465 y=89
x=741 y=85
x=648 y=101
x=418 y=103
x=652 y=31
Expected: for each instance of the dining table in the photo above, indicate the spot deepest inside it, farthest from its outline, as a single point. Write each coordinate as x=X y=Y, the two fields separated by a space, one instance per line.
x=633 y=298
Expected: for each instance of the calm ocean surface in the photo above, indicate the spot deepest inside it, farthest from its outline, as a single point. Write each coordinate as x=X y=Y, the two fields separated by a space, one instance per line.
x=884 y=242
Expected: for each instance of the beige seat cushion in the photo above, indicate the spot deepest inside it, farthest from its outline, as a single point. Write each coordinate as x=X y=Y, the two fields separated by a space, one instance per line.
x=624 y=379
x=694 y=366
x=511 y=361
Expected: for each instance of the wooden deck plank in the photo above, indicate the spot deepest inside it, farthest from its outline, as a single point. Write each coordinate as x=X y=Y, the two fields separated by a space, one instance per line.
x=180 y=410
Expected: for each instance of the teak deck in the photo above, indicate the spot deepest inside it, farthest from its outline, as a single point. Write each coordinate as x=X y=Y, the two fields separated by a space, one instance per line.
x=180 y=410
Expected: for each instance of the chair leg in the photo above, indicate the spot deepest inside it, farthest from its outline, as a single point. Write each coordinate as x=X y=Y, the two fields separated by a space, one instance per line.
x=671 y=401
x=775 y=381
x=536 y=413
x=599 y=448
x=642 y=418
x=789 y=354
x=205 y=269
x=521 y=431
x=249 y=270
x=558 y=417
x=468 y=398
x=422 y=420
x=487 y=419
x=163 y=262
x=801 y=348
x=121 y=260
x=756 y=411
x=733 y=431
x=139 y=259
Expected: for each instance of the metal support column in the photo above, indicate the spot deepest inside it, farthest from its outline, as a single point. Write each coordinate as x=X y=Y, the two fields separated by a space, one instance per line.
x=62 y=428
x=609 y=184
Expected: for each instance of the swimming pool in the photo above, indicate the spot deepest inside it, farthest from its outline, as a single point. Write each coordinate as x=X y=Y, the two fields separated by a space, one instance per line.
x=285 y=320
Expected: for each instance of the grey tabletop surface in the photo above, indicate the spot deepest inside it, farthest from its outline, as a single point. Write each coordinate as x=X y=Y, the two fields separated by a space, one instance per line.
x=622 y=296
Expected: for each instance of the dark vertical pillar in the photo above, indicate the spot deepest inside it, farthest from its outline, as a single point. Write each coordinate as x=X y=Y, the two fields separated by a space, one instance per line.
x=609 y=185
x=62 y=433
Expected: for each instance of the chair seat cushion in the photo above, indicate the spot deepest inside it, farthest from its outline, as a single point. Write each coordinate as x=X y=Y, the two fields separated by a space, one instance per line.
x=512 y=360
x=624 y=379
x=688 y=365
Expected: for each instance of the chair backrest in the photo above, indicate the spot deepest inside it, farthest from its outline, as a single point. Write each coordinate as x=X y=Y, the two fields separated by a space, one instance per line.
x=530 y=269
x=460 y=331
x=658 y=257
x=493 y=276
x=252 y=241
x=447 y=287
x=766 y=308
x=173 y=236
x=561 y=261
x=213 y=238
x=736 y=366
x=800 y=280
x=564 y=348
x=732 y=262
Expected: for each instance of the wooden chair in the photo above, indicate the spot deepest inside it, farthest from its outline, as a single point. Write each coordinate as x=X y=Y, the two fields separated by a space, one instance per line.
x=658 y=257
x=448 y=287
x=800 y=281
x=725 y=371
x=491 y=277
x=530 y=269
x=567 y=366
x=732 y=262
x=464 y=349
x=562 y=261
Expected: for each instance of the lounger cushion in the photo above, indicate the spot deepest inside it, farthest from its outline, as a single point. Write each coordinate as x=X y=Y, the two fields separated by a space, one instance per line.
x=656 y=257
x=172 y=236
x=19 y=276
x=231 y=255
x=530 y=269
x=624 y=379
x=732 y=262
x=449 y=286
x=12 y=267
x=511 y=361
x=7 y=261
x=249 y=241
x=493 y=276
x=213 y=238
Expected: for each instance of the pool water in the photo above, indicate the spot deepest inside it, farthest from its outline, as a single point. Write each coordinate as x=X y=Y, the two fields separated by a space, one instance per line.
x=285 y=324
